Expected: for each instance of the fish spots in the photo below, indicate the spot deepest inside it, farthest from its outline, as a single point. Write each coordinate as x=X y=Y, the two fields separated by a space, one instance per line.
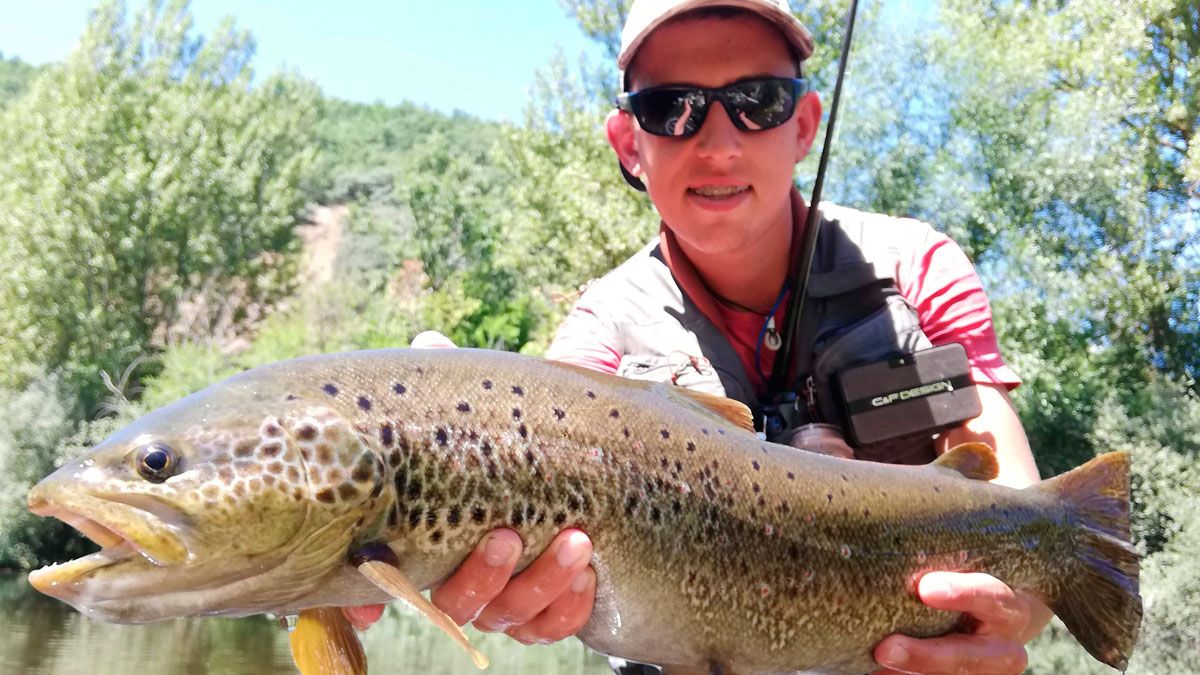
x=691 y=446
x=293 y=474
x=334 y=475
x=225 y=474
x=516 y=414
x=704 y=431
x=866 y=513
x=441 y=436
x=454 y=517
x=326 y=496
x=845 y=479
x=307 y=432
x=290 y=397
x=210 y=492
x=829 y=497
x=573 y=503
x=523 y=431
x=386 y=435
x=664 y=433
x=756 y=465
x=400 y=389
x=614 y=413
x=364 y=403
x=414 y=516
x=275 y=468
x=244 y=448
x=347 y=491
x=463 y=407
x=560 y=518
x=591 y=394
x=272 y=449
x=478 y=514
x=272 y=430
x=937 y=489
x=631 y=503
x=517 y=390
x=324 y=453
x=529 y=457
x=559 y=413
x=330 y=389
x=436 y=536
x=413 y=489
x=486 y=448
x=363 y=471
x=626 y=432
x=487 y=385
x=518 y=516
x=756 y=488
x=791 y=475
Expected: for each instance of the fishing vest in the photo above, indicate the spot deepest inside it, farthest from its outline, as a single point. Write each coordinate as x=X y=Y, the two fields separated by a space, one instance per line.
x=854 y=314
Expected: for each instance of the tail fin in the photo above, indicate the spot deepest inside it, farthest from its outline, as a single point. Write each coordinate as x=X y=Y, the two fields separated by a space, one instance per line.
x=1100 y=603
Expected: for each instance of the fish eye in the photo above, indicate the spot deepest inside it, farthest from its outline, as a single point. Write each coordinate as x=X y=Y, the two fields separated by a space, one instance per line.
x=156 y=462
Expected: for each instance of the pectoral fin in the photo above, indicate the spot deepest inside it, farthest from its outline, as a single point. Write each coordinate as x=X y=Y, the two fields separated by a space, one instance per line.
x=324 y=643
x=392 y=581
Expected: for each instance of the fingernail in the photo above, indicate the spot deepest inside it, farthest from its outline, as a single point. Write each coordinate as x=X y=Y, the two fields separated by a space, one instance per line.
x=572 y=550
x=581 y=581
x=498 y=551
x=935 y=588
x=894 y=656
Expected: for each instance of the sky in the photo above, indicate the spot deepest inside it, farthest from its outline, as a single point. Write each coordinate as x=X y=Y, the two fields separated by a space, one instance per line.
x=478 y=56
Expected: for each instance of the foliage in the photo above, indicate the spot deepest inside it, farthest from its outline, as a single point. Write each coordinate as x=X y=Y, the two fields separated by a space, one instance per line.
x=143 y=169
x=15 y=76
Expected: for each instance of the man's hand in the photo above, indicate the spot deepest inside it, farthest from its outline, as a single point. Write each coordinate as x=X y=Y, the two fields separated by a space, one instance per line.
x=548 y=601
x=998 y=623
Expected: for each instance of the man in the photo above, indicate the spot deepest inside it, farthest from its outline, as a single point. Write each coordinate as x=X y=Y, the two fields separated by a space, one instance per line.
x=715 y=122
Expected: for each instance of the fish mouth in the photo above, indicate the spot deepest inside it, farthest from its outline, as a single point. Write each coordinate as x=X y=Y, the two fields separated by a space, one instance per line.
x=112 y=526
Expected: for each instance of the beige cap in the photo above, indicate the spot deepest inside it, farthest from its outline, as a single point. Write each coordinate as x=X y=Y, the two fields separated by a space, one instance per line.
x=646 y=15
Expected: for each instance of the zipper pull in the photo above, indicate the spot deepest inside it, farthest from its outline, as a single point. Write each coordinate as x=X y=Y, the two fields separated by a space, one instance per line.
x=810 y=398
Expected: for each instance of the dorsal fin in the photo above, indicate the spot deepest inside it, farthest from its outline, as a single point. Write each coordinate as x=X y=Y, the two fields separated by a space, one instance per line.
x=715 y=407
x=973 y=460
x=725 y=409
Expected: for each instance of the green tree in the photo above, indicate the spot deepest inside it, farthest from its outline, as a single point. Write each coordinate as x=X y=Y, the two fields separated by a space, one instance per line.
x=145 y=168
x=15 y=76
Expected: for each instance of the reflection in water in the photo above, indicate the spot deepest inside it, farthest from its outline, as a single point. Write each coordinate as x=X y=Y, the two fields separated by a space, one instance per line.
x=39 y=635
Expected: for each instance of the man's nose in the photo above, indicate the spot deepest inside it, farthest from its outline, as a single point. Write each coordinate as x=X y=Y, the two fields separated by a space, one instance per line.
x=718 y=139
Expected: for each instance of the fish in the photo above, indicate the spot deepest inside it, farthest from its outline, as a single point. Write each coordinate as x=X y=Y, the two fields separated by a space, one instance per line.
x=299 y=487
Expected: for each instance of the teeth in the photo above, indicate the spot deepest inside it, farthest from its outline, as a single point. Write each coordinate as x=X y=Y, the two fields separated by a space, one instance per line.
x=718 y=191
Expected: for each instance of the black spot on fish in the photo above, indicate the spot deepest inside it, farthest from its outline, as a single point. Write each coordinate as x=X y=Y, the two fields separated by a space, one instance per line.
x=936 y=489
x=753 y=513
x=413 y=492
x=330 y=389
x=463 y=407
x=529 y=457
x=784 y=507
x=393 y=518
x=478 y=514
x=523 y=430
x=436 y=536
x=626 y=431
x=755 y=465
x=291 y=397
x=307 y=432
x=716 y=464
x=829 y=497
x=691 y=447
x=665 y=434
x=655 y=516
x=347 y=492
x=676 y=506
x=665 y=462
x=454 y=517
x=325 y=496
x=591 y=394
x=867 y=512
x=560 y=518
x=394 y=458
x=791 y=476
x=414 y=516
x=516 y=414
x=573 y=503
x=442 y=436
x=614 y=413
x=399 y=388
x=431 y=518
x=844 y=479
x=363 y=471
x=364 y=403
x=762 y=501
x=631 y=503
x=486 y=448
x=559 y=413
x=678 y=467
x=385 y=435
x=517 y=390
x=487 y=384
x=518 y=516
x=755 y=487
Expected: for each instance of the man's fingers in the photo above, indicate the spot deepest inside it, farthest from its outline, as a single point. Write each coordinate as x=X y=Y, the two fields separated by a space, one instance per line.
x=431 y=339
x=996 y=608
x=954 y=654
x=540 y=584
x=363 y=616
x=480 y=578
x=565 y=616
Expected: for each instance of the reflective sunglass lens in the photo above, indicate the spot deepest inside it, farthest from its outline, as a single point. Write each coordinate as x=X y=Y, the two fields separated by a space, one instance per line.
x=672 y=112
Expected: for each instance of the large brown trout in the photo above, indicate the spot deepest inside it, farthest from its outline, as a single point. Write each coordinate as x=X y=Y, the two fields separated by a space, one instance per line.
x=354 y=478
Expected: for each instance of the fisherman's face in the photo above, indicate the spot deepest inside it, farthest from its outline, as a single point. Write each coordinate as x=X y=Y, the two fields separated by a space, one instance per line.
x=681 y=173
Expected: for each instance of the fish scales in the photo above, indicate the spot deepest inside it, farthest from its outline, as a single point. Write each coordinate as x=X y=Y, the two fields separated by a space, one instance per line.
x=711 y=546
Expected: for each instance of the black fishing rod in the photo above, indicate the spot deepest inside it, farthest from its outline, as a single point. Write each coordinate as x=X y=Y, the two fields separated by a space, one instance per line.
x=781 y=376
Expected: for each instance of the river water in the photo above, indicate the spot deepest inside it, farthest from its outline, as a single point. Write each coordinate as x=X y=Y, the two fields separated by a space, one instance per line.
x=42 y=636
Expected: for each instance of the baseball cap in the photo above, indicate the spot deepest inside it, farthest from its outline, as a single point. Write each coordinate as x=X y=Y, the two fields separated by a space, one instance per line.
x=647 y=15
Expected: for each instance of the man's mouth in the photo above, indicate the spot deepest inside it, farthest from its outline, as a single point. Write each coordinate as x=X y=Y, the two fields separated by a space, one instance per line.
x=719 y=191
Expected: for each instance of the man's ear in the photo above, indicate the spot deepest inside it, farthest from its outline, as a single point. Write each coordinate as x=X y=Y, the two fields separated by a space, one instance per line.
x=618 y=128
x=808 y=120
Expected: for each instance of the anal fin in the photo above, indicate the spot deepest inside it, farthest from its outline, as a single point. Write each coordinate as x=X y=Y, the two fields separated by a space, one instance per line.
x=392 y=581
x=324 y=643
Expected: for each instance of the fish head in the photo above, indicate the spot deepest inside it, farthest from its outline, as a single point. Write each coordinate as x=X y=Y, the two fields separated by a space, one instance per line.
x=234 y=501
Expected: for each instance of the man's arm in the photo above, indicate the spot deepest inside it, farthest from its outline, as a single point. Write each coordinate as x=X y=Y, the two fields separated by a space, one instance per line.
x=1001 y=620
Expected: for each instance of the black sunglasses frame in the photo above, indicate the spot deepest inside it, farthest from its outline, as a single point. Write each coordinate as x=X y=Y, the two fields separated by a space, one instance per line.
x=629 y=102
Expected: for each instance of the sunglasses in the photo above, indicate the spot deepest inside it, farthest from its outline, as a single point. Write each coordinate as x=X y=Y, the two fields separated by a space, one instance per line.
x=678 y=111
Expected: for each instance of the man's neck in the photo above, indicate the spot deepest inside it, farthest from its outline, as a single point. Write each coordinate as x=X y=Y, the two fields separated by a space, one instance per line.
x=750 y=278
